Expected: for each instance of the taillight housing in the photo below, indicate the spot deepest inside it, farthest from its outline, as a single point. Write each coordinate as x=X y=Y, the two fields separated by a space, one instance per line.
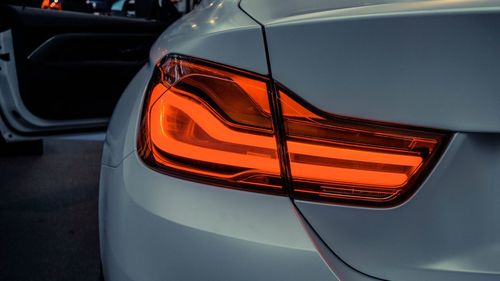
x=223 y=126
x=210 y=123
x=334 y=158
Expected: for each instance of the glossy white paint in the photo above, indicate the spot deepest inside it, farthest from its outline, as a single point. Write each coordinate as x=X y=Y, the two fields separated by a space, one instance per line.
x=431 y=64
x=447 y=231
x=155 y=227
x=218 y=31
x=275 y=11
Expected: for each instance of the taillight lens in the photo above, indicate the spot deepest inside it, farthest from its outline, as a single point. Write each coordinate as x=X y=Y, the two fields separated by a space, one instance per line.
x=212 y=123
x=340 y=159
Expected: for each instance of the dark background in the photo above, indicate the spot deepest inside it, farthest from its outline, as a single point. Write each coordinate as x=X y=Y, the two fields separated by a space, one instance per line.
x=48 y=213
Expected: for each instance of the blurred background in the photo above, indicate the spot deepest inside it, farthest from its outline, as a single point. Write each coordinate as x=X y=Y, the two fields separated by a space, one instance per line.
x=49 y=175
x=148 y=9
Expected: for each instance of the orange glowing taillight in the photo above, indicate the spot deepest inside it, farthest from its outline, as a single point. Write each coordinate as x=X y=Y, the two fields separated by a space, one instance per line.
x=211 y=123
x=220 y=125
x=349 y=160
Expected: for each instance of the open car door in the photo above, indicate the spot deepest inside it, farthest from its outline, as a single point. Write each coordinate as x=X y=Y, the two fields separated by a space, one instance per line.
x=62 y=72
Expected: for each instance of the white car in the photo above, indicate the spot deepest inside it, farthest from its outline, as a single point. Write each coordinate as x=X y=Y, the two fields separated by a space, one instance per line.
x=309 y=141
x=289 y=140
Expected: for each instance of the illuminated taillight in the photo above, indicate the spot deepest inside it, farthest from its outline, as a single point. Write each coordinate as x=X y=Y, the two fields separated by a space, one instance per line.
x=210 y=123
x=332 y=158
x=220 y=125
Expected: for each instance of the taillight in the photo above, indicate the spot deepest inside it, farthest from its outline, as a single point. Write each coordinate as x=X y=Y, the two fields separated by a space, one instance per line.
x=348 y=160
x=214 y=124
x=211 y=123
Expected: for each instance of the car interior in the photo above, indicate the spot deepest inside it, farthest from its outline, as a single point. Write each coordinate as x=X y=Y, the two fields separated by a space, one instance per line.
x=73 y=65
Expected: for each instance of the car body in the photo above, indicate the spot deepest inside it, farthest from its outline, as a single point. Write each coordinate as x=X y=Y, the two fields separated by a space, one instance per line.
x=429 y=67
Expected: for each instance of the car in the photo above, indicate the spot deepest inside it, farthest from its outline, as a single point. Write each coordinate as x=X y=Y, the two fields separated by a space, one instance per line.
x=280 y=140
x=277 y=140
